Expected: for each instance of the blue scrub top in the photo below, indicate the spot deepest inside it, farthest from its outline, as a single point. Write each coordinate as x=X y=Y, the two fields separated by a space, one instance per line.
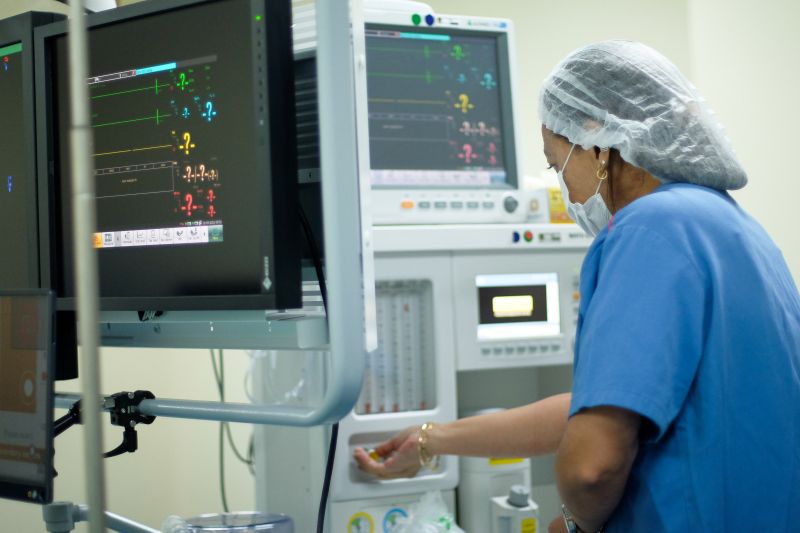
x=689 y=317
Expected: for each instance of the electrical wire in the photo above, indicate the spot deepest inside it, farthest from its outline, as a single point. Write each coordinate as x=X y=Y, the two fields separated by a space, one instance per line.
x=316 y=258
x=219 y=376
x=323 y=290
x=225 y=429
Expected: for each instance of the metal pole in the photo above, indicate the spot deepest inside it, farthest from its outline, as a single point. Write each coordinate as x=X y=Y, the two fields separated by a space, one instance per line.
x=340 y=197
x=83 y=209
x=115 y=522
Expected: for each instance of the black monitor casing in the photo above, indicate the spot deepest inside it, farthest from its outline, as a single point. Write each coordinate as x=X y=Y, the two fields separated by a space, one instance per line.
x=20 y=28
x=276 y=230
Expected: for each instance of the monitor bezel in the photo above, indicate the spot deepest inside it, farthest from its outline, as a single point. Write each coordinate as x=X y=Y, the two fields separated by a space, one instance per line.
x=282 y=237
x=44 y=492
x=504 y=62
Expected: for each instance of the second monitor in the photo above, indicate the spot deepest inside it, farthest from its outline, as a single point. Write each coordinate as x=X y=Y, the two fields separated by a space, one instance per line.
x=441 y=119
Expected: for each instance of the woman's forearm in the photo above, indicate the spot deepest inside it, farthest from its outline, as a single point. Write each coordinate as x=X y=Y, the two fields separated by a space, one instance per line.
x=533 y=429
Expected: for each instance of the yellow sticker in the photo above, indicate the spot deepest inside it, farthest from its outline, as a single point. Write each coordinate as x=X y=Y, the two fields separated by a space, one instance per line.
x=360 y=523
x=529 y=525
x=558 y=209
x=505 y=461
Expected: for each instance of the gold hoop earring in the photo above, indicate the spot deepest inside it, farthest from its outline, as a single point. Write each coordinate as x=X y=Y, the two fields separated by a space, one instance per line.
x=602 y=173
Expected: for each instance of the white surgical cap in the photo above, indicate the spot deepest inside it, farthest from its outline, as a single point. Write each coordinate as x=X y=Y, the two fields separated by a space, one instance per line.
x=625 y=95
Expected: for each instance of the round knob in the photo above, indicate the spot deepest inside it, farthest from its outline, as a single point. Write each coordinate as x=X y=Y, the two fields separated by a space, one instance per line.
x=518 y=496
x=510 y=204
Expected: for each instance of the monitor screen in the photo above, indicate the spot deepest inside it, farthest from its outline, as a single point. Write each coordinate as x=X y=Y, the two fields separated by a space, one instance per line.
x=17 y=188
x=26 y=396
x=514 y=306
x=191 y=195
x=439 y=108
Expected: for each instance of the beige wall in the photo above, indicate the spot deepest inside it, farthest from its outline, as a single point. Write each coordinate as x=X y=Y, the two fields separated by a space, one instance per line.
x=9 y=8
x=745 y=59
x=175 y=470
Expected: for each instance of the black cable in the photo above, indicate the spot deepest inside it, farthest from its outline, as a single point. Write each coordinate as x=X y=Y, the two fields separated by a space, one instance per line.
x=316 y=257
x=326 y=484
x=323 y=290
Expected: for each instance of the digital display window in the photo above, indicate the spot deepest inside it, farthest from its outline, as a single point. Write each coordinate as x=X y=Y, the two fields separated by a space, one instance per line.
x=162 y=151
x=513 y=306
x=439 y=108
x=194 y=181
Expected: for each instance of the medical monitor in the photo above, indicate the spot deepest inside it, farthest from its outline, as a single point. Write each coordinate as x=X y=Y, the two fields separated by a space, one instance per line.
x=19 y=240
x=23 y=203
x=26 y=396
x=441 y=119
x=194 y=155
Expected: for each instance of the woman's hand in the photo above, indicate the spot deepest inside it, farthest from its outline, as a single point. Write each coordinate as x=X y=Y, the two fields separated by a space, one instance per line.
x=557 y=526
x=400 y=456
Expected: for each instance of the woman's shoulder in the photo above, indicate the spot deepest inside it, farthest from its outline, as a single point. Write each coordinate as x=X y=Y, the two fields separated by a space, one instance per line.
x=678 y=205
x=691 y=220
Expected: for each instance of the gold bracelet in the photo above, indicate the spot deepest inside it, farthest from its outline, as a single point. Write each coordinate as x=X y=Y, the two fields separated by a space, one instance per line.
x=425 y=458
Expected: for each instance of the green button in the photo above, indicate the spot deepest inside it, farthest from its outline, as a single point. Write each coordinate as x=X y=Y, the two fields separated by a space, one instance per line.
x=416 y=19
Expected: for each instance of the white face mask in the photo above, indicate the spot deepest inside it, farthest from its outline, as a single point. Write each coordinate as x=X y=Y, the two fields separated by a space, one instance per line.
x=593 y=215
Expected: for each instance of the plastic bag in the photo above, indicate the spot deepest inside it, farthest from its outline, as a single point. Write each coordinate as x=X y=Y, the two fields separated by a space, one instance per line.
x=430 y=515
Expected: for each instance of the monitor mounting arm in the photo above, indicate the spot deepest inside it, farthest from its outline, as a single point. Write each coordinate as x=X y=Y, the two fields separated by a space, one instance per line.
x=123 y=408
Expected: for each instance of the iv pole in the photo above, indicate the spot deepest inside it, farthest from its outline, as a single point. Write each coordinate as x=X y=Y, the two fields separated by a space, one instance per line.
x=83 y=207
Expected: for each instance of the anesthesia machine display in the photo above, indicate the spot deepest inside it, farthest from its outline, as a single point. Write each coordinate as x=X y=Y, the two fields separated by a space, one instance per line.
x=441 y=122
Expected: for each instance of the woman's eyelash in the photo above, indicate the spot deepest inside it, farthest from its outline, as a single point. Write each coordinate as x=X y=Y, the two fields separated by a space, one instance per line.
x=551 y=167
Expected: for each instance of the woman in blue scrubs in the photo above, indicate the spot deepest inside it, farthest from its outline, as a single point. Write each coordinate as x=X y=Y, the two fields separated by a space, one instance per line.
x=685 y=408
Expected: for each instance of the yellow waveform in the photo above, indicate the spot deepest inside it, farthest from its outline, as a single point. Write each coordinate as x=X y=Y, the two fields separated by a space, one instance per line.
x=134 y=150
